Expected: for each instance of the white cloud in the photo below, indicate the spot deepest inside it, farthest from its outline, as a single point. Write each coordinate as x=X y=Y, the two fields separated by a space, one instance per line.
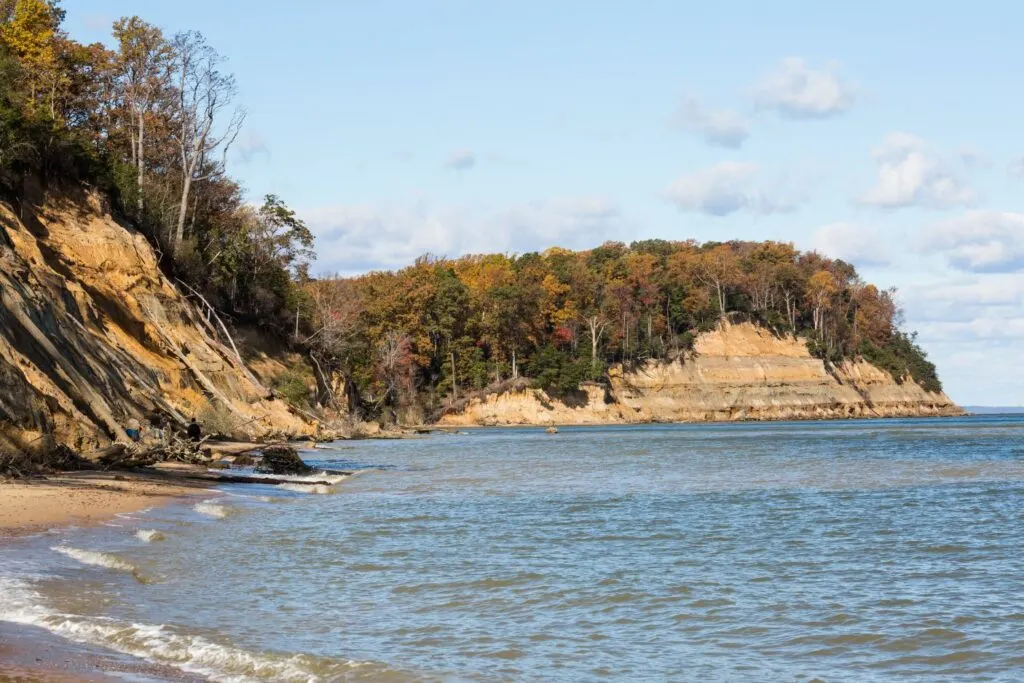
x=964 y=299
x=353 y=239
x=720 y=127
x=856 y=244
x=973 y=329
x=911 y=174
x=1016 y=168
x=725 y=188
x=797 y=91
x=462 y=160
x=979 y=241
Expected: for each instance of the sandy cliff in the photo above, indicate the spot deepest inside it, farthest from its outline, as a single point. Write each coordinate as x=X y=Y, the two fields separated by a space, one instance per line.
x=740 y=372
x=93 y=335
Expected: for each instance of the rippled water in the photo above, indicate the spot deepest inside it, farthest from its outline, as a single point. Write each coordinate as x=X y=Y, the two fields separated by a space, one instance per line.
x=833 y=550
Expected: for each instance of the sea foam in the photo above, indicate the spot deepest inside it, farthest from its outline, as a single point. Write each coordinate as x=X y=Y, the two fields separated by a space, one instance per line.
x=210 y=509
x=96 y=559
x=317 y=489
x=165 y=645
x=150 y=535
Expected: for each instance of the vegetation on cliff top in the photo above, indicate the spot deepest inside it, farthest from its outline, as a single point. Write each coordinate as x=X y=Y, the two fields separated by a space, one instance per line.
x=422 y=335
x=151 y=123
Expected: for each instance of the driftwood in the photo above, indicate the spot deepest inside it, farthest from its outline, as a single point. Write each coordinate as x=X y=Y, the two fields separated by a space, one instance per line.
x=238 y=356
x=247 y=479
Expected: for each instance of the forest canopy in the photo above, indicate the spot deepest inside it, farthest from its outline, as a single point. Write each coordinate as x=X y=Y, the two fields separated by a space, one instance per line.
x=441 y=326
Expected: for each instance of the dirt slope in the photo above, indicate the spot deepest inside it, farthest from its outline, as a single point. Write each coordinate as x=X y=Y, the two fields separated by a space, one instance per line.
x=93 y=335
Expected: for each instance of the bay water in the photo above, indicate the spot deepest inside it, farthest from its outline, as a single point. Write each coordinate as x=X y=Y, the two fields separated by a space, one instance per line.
x=831 y=551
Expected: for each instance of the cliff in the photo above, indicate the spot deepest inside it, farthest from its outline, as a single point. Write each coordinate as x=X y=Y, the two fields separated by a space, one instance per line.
x=93 y=335
x=738 y=372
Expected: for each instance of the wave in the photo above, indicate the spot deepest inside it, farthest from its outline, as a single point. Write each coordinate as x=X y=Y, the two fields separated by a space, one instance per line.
x=316 y=477
x=96 y=559
x=317 y=489
x=166 y=645
x=150 y=535
x=210 y=509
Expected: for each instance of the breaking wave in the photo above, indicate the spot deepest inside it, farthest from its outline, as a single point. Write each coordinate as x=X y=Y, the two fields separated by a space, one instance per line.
x=210 y=509
x=96 y=559
x=168 y=646
x=317 y=489
x=150 y=535
x=316 y=477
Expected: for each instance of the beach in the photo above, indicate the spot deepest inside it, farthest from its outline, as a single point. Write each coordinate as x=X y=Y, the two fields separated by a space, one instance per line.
x=85 y=498
x=79 y=499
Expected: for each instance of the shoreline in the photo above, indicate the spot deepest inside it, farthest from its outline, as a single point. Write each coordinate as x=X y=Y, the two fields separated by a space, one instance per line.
x=87 y=498
x=452 y=428
x=29 y=653
x=81 y=499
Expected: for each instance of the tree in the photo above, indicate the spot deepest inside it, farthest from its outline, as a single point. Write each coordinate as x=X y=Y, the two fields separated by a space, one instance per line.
x=31 y=34
x=820 y=289
x=717 y=268
x=203 y=95
x=142 y=75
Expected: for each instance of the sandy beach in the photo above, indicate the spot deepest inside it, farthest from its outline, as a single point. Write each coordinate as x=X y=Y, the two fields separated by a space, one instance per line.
x=85 y=498
x=79 y=499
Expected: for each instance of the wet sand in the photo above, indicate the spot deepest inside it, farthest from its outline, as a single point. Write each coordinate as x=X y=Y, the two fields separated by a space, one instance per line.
x=33 y=654
x=86 y=498
x=80 y=499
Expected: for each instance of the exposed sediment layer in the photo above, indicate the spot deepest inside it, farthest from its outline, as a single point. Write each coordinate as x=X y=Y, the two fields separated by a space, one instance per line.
x=93 y=335
x=738 y=372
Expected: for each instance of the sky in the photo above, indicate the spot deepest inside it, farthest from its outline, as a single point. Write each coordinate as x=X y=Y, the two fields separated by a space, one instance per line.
x=884 y=133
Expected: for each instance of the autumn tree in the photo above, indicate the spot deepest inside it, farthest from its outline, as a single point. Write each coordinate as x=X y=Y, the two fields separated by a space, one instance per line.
x=204 y=95
x=141 y=76
x=31 y=32
x=717 y=268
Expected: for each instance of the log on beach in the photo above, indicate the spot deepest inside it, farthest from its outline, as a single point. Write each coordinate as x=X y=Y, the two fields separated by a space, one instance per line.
x=248 y=479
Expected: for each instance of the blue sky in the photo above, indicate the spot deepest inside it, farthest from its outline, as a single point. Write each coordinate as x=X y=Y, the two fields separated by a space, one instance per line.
x=886 y=133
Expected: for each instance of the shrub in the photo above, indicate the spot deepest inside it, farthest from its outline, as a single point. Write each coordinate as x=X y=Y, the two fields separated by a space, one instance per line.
x=902 y=357
x=556 y=372
x=216 y=419
x=292 y=386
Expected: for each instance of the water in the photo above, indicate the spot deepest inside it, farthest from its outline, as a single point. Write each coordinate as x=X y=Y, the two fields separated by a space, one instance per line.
x=832 y=550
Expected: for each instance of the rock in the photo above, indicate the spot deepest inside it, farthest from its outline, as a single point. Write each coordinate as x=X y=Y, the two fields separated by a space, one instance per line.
x=282 y=460
x=737 y=372
x=551 y=430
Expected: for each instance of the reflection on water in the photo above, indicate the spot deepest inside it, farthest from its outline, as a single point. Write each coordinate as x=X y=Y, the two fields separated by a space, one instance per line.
x=839 y=550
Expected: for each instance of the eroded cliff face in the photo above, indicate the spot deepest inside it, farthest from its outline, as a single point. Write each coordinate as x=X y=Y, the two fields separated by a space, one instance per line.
x=92 y=335
x=739 y=372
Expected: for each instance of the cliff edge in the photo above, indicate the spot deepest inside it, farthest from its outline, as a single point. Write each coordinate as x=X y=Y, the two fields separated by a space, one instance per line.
x=737 y=372
x=93 y=335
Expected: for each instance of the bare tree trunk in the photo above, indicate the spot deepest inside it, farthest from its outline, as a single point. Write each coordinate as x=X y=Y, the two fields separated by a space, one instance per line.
x=141 y=159
x=179 y=233
x=455 y=384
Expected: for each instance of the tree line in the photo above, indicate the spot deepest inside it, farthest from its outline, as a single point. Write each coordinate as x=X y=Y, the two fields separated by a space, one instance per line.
x=150 y=123
x=439 y=328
